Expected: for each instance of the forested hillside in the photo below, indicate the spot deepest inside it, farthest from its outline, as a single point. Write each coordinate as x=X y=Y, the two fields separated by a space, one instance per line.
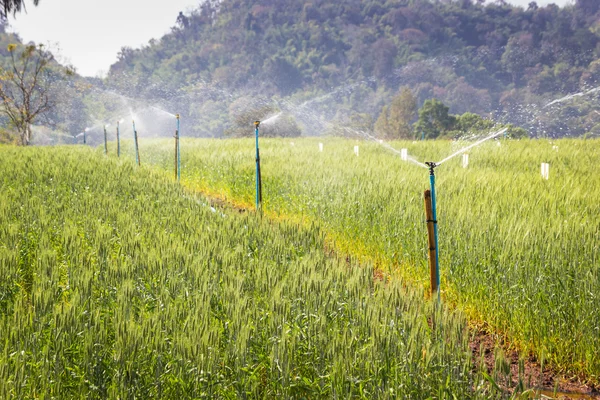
x=496 y=60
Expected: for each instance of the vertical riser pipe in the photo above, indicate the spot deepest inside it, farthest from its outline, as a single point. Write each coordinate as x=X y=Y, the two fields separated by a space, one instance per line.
x=435 y=234
x=432 y=166
x=432 y=250
x=137 y=151
x=258 y=177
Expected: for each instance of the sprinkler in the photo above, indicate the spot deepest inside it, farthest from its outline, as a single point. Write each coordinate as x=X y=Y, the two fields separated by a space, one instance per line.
x=177 y=153
x=258 y=179
x=432 y=219
x=84 y=135
x=118 y=139
x=105 y=140
x=135 y=138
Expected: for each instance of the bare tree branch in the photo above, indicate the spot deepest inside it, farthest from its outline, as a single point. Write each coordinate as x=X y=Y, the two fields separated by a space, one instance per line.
x=24 y=89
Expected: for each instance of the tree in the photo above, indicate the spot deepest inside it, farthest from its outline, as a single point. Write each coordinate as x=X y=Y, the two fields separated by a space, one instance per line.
x=382 y=126
x=383 y=52
x=394 y=121
x=519 y=54
x=24 y=88
x=12 y=6
x=284 y=74
x=403 y=111
x=182 y=21
x=472 y=122
x=434 y=119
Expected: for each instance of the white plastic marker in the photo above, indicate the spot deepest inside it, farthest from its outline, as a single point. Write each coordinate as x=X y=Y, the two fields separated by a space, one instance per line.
x=404 y=154
x=546 y=171
x=356 y=150
x=321 y=147
x=465 y=160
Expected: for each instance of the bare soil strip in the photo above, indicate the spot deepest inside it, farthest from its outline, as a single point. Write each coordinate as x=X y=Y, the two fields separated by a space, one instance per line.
x=547 y=382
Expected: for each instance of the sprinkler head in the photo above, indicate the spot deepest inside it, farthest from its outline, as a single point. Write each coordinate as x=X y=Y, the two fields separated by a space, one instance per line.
x=256 y=123
x=177 y=116
x=431 y=166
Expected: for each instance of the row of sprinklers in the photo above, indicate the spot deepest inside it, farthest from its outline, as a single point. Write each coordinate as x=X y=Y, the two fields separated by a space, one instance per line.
x=177 y=167
x=429 y=195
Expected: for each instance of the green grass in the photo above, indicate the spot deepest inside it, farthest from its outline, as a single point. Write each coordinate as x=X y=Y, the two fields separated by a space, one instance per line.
x=115 y=283
x=518 y=252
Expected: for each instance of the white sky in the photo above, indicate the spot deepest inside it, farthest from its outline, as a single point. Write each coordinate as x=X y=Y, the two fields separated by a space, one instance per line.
x=90 y=33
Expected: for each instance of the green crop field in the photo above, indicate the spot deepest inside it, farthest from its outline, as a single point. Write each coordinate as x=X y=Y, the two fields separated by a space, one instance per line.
x=115 y=282
x=517 y=252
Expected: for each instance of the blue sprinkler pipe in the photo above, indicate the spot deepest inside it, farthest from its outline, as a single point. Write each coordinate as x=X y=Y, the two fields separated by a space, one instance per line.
x=258 y=178
x=432 y=166
x=178 y=152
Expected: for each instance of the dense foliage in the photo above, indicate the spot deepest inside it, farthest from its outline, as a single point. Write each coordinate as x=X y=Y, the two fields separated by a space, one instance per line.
x=493 y=59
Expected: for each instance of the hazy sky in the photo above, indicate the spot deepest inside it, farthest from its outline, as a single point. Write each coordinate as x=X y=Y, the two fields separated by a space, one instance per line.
x=90 y=33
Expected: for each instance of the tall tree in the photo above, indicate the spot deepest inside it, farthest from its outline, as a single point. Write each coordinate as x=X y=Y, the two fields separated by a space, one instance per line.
x=25 y=87
x=394 y=121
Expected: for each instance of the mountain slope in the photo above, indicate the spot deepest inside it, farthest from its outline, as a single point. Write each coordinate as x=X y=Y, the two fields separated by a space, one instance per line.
x=493 y=60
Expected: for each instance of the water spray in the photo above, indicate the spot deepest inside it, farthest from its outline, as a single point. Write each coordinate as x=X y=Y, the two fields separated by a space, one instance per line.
x=135 y=138
x=258 y=178
x=431 y=213
x=431 y=210
x=475 y=144
x=177 y=153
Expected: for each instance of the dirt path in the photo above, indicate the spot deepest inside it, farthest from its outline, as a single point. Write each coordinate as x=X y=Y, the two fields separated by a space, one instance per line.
x=514 y=372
